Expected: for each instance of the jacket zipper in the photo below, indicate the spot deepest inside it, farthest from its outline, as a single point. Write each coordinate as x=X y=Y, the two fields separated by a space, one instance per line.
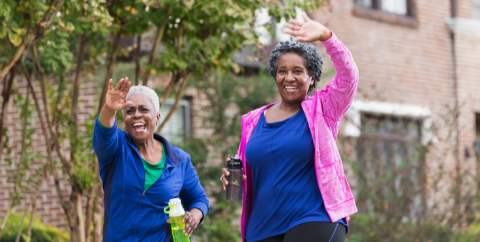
x=134 y=227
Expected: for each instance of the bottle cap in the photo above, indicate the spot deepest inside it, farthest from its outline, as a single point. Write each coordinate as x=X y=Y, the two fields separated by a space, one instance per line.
x=176 y=208
x=234 y=163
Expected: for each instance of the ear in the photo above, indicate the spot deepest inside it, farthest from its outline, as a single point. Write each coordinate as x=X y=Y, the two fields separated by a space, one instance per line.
x=158 y=119
x=312 y=80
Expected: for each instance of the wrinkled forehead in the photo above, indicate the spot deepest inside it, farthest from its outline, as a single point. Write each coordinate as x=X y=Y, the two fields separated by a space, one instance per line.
x=139 y=99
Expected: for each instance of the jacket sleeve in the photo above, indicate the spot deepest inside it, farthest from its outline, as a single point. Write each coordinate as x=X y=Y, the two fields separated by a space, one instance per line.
x=340 y=93
x=105 y=142
x=192 y=193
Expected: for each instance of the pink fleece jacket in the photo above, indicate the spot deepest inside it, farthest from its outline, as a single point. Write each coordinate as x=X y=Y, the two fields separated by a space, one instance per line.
x=323 y=111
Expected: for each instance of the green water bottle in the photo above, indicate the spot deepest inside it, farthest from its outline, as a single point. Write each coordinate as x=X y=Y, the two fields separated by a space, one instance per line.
x=176 y=213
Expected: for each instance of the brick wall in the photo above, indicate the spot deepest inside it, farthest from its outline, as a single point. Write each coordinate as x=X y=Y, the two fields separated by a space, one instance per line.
x=401 y=62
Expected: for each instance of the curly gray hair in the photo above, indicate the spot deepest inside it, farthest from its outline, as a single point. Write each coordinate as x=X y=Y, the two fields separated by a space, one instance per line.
x=148 y=93
x=313 y=59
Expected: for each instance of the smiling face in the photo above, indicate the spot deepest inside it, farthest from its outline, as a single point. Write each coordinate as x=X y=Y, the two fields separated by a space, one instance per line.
x=292 y=78
x=140 y=118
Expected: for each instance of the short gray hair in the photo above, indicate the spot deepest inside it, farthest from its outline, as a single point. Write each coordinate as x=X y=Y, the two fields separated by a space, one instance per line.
x=148 y=93
x=313 y=59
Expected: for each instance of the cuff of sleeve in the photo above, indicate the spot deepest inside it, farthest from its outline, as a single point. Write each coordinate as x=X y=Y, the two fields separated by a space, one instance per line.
x=330 y=42
x=203 y=207
x=104 y=130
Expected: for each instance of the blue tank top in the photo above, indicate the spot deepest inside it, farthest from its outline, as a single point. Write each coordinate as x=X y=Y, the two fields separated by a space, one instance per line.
x=285 y=189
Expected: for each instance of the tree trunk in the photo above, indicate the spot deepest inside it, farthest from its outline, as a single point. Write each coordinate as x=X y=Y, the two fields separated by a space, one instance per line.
x=7 y=91
x=19 y=164
x=34 y=202
x=137 y=59
x=151 y=60
x=179 y=95
x=98 y=215
x=75 y=217
x=7 y=213
x=29 y=37
x=89 y=210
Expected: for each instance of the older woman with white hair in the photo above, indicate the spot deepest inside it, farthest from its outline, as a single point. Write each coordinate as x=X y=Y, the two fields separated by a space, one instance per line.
x=141 y=171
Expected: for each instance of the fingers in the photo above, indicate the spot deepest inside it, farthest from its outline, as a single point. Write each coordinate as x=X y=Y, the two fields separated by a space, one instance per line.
x=119 y=85
x=127 y=85
x=302 y=39
x=224 y=179
x=168 y=221
x=295 y=22
x=292 y=26
x=126 y=104
x=291 y=32
x=244 y=177
x=127 y=88
x=110 y=87
x=190 y=224
x=227 y=160
x=306 y=18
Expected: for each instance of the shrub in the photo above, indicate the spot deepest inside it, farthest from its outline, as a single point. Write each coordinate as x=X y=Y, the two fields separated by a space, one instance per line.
x=40 y=231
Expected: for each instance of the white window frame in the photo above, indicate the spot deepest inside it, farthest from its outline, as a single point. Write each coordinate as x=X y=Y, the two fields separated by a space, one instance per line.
x=353 y=116
x=182 y=103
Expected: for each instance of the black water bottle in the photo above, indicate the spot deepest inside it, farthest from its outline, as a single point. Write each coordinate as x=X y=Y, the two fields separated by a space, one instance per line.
x=234 y=187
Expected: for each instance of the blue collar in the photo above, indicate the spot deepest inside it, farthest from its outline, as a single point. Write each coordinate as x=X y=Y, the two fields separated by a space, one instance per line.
x=169 y=150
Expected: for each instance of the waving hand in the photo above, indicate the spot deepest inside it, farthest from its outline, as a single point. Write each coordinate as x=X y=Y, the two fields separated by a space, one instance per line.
x=307 y=32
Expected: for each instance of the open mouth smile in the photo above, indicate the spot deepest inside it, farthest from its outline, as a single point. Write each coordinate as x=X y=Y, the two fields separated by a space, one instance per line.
x=290 y=89
x=139 y=127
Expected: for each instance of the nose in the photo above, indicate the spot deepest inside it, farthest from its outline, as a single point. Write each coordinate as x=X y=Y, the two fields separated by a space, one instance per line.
x=290 y=76
x=137 y=114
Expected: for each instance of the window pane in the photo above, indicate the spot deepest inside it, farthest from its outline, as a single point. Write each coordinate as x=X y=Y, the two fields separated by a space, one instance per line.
x=175 y=128
x=395 y=6
x=476 y=9
x=367 y=3
x=389 y=167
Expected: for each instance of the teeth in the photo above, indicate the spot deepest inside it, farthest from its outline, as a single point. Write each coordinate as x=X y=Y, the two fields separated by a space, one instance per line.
x=138 y=124
x=291 y=88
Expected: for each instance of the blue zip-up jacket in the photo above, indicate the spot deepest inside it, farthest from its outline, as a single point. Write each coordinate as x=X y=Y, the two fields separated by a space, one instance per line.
x=132 y=214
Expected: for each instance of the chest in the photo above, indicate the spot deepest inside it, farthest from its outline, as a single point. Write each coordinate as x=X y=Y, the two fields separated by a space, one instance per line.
x=130 y=173
x=284 y=144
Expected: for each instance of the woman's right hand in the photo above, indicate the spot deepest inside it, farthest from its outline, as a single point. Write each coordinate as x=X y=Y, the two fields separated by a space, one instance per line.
x=116 y=97
x=226 y=173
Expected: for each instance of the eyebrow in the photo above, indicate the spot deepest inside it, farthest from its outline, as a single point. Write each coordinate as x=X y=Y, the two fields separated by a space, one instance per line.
x=293 y=67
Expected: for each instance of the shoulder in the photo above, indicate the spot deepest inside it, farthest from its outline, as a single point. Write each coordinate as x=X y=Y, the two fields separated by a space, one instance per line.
x=184 y=155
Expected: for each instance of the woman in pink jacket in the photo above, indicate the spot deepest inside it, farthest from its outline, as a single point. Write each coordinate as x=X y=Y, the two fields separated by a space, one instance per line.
x=294 y=186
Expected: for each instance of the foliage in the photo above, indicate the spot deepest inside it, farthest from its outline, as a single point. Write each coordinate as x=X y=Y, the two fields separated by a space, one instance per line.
x=40 y=231
x=196 y=37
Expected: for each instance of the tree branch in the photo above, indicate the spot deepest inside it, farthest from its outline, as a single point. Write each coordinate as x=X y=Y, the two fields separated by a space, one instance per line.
x=137 y=59
x=7 y=91
x=50 y=163
x=22 y=156
x=53 y=134
x=34 y=202
x=170 y=87
x=111 y=64
x=76 y=94
x=29 y=36
x=180 y=90
x=151 y=60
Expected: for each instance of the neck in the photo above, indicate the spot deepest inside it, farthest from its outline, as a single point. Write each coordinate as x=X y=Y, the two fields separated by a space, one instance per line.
x=290 y=107
x=147 y=147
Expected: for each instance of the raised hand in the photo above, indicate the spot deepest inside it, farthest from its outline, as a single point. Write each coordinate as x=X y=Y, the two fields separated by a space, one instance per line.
x=307 y=32
x=116 y=97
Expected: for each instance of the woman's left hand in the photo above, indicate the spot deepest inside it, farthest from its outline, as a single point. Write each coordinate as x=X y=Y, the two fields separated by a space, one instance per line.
x=307 y=32
x=191 y=220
